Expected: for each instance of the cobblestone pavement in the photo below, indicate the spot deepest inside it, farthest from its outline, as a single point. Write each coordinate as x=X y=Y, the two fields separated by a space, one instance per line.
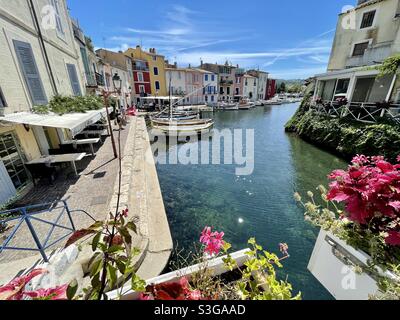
x=91 y=192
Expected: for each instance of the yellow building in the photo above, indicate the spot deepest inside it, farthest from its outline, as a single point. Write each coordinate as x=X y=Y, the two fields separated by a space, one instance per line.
x=157 y=68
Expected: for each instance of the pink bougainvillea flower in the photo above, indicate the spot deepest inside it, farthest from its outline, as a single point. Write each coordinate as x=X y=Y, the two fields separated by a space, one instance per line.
x=393 y=238
x=14 y=289
x=398 y=158
x=370 y=192
x=206 y=235
x=58 y=293
x=213 y=241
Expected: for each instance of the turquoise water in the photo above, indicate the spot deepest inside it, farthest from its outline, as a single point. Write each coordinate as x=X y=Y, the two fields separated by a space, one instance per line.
x=212 y=195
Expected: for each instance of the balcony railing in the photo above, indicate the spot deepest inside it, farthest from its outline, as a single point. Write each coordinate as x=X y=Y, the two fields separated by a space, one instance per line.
x=95 y=79
x=226 y=82
x=371 y=56
x=359 y=111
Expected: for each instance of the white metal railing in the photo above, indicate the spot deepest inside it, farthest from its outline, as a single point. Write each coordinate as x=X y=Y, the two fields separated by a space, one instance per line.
x=359 y=111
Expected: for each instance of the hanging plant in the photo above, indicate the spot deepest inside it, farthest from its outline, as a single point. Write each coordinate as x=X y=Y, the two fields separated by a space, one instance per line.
x=389 y=66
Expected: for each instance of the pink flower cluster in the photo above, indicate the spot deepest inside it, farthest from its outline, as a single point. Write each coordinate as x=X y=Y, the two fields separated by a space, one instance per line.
x=370 y=190
x=15 y=290
x=213 y=241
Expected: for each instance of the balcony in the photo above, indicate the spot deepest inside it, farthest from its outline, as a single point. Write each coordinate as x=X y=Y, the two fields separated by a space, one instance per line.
x=371 y=56
x=94 y=79
x=226 y=82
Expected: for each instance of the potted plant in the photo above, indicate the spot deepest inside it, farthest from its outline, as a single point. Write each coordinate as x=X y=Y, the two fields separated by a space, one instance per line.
x=245 y=275
x=357 y=254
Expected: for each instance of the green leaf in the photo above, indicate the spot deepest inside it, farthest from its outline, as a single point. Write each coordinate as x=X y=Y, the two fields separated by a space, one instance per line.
x=138 y=284
x=72 y=289
x=114 y=249
x=125 y=235
x=112 y=275
x=96 y=240
x=96 y=267
x=132 y=226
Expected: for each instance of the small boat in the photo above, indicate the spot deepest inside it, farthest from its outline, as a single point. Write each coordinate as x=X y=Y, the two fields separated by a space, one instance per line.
x=174 y=127
x=228 y=106
x=246 y=104
x=259 y=103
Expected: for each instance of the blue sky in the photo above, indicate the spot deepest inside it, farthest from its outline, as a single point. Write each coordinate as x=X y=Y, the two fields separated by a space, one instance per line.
x=290 y=39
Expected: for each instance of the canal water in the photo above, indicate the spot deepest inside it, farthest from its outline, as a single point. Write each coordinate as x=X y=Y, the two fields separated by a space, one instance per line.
x=260 y=205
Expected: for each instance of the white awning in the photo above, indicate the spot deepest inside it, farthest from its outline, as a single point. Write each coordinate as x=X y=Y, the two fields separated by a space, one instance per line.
x=75 y=122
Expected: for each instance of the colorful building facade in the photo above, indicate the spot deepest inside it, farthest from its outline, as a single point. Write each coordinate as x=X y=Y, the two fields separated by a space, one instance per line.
x=156 y=65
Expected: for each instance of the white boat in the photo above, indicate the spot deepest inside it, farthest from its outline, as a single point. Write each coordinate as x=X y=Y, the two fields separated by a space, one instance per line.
x=259 y=103
x=174 y=127
x=246 y=104
x=228 y=106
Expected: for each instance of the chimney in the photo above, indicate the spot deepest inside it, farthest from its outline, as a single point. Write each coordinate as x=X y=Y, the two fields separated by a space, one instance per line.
x=201 y=63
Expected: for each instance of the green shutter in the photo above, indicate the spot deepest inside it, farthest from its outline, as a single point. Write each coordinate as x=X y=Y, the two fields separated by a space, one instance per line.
x=29 y=68
x=73 y=76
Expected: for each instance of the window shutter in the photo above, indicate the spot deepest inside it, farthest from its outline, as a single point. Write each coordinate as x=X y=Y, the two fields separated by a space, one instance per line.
x=29 y=68
x=73 y=76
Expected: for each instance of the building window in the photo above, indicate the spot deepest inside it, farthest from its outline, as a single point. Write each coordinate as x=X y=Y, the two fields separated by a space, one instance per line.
x=212 y=98
x=212 y=77
x=368 y=19
x=141 y=89
x=206 y=98
x=359 y=49
x=12 y=159
x=73 y=78
x=155 y=71
x=237 y=91
x=140 y=77
x=221 y=90
x=30 y=72
x=157 y=85
x=228 y=90
x=154 y=58
x=206 y=77
x=59 y=26
x=3 y=103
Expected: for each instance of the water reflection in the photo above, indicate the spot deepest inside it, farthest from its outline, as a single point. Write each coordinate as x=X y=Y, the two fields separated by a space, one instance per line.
x=259 y=205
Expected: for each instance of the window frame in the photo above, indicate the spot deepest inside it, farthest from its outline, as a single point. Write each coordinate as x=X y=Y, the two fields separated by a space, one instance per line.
x=368 y=41
x=154 y=71
x=157 y=83
x=373 y=20
x=60 y=30
x=3 y=101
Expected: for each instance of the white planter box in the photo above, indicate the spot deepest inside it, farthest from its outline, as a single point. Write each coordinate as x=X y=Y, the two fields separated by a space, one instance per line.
x=331 y=263
x=215 y=265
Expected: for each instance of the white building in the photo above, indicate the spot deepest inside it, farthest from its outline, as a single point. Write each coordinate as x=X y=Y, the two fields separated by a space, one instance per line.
x=177 y=77
x=38 y=59
x=365 y=36
x=210 y=91
x=250 y=87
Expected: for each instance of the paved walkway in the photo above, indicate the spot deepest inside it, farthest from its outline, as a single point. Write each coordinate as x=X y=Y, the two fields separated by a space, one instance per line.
x=90 y=192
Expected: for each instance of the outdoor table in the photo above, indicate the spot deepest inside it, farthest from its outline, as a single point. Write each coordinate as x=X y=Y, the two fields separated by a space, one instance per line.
x=70 y=157
x=90 y=142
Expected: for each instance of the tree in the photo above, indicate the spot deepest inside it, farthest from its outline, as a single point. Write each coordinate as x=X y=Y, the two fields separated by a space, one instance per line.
x=282 y=88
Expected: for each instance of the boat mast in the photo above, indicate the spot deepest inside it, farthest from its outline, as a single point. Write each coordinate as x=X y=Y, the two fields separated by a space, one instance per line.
x=170 y=104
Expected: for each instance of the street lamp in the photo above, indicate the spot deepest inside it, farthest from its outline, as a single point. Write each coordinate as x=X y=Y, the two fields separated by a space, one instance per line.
x=117 y=82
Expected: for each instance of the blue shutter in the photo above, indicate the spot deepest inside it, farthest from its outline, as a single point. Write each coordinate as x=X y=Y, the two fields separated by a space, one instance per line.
x=29 y=68
x=73 y=77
